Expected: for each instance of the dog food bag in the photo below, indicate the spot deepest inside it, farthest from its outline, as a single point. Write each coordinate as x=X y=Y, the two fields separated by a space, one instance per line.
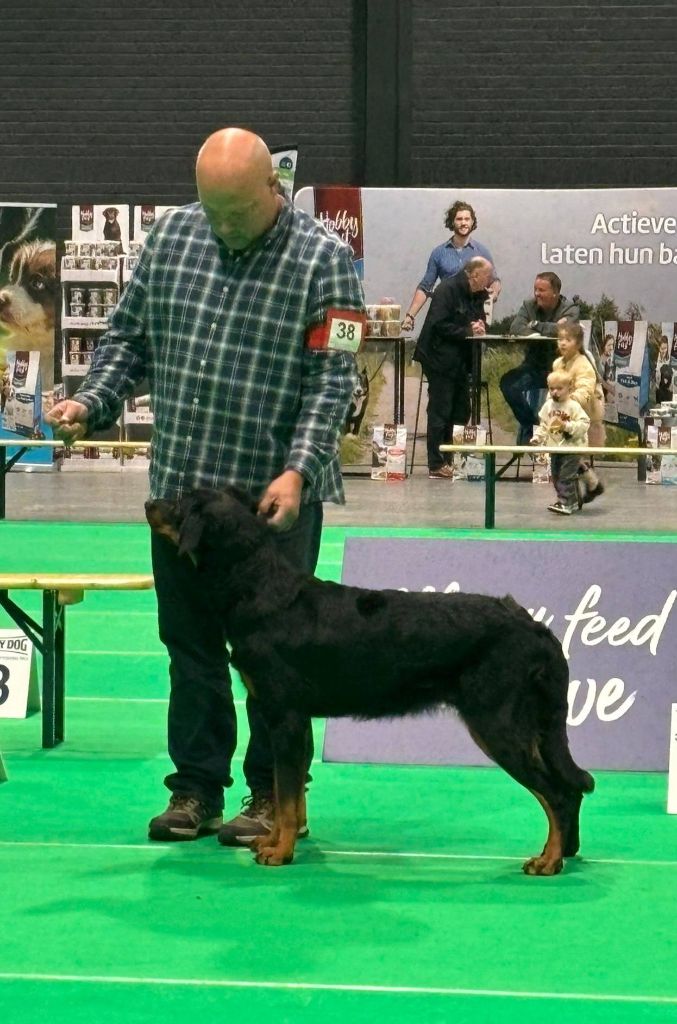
x=26 y=392
x=384 y=437
x=396 y=457
x=541 y=470
x=471 y=465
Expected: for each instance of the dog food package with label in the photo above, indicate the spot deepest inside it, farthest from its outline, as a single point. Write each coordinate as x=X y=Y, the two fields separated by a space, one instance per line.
x=661 y=469
x=385 y=436
x=541 y=471
x=396 y=457
x=23 y=405
x=471 y=465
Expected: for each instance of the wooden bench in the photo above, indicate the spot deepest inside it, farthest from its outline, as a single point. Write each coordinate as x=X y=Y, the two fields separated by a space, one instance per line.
x=490 y=451
x=58 y=591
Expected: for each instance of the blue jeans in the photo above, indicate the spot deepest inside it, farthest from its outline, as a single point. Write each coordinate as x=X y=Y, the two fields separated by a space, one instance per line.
x=515 y=385
x=202 y=726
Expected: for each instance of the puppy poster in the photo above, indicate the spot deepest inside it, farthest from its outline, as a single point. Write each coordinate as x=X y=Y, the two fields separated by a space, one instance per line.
x=28 y=294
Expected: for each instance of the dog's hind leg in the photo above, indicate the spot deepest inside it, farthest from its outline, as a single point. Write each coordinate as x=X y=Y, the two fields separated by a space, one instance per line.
x=288 y=737
x=527 y=768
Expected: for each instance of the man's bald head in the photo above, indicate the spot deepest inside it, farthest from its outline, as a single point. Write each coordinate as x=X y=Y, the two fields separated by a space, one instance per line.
x=237 y=186
x=479 y=272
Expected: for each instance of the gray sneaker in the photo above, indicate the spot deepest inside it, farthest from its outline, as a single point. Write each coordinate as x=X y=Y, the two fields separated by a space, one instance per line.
x=186 y=817
x=255 y=819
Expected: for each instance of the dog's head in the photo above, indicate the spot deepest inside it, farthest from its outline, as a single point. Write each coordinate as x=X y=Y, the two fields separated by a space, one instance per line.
x=27 y=301
x=206 y=520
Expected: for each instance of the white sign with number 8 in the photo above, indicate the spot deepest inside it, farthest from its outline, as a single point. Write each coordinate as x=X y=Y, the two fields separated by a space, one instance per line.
x=18 y=676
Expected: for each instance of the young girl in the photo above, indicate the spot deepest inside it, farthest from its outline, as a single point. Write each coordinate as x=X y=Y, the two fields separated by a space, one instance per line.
x=562 y=421
x=586 y=389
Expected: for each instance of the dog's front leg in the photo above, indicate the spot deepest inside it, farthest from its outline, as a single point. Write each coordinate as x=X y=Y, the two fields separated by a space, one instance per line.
x=288 y=736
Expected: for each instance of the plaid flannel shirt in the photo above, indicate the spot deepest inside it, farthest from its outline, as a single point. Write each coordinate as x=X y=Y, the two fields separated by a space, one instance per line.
x=236 y=395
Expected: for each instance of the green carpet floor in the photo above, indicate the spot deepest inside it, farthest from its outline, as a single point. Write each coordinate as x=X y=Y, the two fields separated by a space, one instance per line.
x=407 y=903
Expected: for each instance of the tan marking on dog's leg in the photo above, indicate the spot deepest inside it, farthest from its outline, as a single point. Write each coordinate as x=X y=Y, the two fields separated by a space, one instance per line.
x=550 y=861
x=249 y=683
x=279 y=848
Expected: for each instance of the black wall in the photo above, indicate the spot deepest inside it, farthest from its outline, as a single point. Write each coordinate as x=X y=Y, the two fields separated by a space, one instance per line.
x=104 y=101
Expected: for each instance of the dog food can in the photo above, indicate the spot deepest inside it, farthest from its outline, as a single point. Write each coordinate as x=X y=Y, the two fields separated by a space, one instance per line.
x=74 y=358
x=108 y=308
x=85 y=262
x=95 y=295
x=71 y=248
x=86 y=358
x=77 y=309
x=95 y=309
x=87 y=249
x=110 y=295
x=78 y=294
x=374 y=328
x=74 y=343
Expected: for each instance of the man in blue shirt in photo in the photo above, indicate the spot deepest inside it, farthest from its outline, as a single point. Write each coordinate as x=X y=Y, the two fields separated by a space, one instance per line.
x=447 y=259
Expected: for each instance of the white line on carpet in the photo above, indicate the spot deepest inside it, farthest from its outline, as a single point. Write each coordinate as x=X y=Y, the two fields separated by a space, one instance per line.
x=400 y=854
x=308 y=986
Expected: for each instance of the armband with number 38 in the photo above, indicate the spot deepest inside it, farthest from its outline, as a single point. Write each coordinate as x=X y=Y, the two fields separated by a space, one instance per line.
x=341 y=330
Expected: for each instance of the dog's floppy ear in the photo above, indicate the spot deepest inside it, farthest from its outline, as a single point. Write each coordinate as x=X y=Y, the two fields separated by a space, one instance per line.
x=190 y=533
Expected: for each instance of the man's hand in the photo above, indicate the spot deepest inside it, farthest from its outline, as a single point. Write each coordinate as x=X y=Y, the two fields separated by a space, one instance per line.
x=68 y=420
x=281 y=502
x=478 y=327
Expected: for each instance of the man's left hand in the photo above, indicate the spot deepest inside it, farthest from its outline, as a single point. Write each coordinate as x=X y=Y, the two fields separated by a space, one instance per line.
x=281 y=502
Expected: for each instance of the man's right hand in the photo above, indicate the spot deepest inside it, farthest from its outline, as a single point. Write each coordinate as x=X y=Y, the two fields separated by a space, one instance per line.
x=68 y=420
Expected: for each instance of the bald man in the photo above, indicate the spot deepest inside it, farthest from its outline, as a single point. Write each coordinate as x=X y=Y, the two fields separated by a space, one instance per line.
x=244 y=314
x=456 y=314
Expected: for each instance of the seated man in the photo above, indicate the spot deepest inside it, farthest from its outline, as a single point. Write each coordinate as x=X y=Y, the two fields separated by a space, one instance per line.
x=456 y=313
x=540 y=315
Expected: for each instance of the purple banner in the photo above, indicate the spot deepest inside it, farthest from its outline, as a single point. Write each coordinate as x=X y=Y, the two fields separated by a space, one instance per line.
x=613 y=605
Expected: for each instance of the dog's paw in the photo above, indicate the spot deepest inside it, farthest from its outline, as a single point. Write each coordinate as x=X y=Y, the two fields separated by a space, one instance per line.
x=261 y=842
x=273 y=856
x=543 y=865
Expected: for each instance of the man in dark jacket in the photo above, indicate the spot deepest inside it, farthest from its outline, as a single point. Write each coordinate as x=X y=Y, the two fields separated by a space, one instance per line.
x=456 y=313
x=538 y=316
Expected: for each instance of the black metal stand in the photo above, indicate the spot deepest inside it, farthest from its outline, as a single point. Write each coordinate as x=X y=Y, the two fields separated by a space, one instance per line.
x=5 y=466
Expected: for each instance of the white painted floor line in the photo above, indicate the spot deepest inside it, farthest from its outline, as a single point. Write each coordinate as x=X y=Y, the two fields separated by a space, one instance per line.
x=135 y=700
x=328 y=852
x=309 y=986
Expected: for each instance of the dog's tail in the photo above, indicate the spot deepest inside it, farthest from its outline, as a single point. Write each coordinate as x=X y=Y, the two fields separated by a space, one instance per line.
x=554 y=742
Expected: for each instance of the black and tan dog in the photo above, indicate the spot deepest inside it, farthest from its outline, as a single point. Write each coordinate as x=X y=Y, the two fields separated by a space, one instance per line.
x=310 y=648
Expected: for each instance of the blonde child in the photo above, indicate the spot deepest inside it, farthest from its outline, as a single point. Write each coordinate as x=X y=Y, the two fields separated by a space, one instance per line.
x=586 y=389
x=562 y=422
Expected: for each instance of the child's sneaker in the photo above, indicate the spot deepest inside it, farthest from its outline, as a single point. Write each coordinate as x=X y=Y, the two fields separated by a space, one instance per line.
x=561 y=509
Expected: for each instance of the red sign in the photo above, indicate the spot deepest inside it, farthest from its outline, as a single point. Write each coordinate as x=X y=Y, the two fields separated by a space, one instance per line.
x=340 y=211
